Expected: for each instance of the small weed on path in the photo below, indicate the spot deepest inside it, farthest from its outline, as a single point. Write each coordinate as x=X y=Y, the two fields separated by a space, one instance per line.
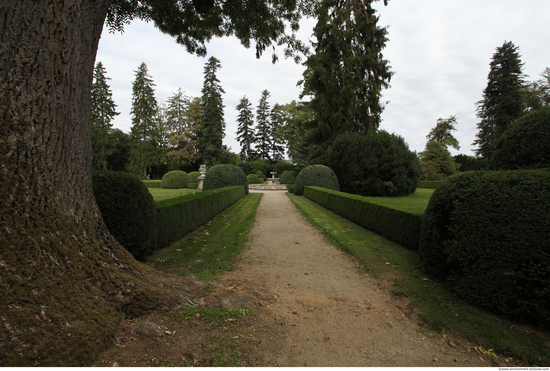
x=439 y=308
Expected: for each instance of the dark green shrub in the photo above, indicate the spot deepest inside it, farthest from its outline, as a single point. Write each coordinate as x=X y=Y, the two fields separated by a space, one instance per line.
x=261 y=176
x=288 y=177
x=488 y=233
x=253 y=179
x=430 y=184
x=378 y=164
x=193 y=177
x=282 y=166
x=315 y=175
x=128 y=210
x=396 y=225
x=220 y=176
x=175 y=179
x=152 y=183
x=192 y=185
x=524 y=145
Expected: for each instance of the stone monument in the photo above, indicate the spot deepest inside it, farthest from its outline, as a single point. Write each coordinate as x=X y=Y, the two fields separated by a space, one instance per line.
x=202 y=170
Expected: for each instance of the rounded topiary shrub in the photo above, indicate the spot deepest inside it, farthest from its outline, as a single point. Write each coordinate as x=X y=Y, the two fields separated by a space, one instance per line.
x=193 y=177
x=225 y=175
x=128 y=210
x=175 y=179
x=316 y=175
x=288 y=177
x=261 y=176
x=487 y=233
x=253 y=179
x=378 y=164
x=524 y=145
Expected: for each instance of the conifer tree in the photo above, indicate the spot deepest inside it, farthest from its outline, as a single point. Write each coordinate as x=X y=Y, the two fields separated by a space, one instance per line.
x=186 y=127
x=441 y=133
x=144 y=134
x=103 y=112
x=346 y=74
x=277 y=141
x=212 y=130
x=245 y=129
x=264 y=137
x=502 y=98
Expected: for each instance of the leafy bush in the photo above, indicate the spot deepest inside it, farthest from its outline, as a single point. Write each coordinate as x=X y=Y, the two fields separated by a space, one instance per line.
x=193 y=177
x=152 y=183
x=524 y=145
x=175 y=179
x=253 y=179
x=128 y=210
x=487 y=232
x=282 y=166
x=378 y=164
x=315 y=175
x=288 y=177
x=396 y=225
x=192 y=185
x=225 y=175
x=430 y=184
x=261 y=176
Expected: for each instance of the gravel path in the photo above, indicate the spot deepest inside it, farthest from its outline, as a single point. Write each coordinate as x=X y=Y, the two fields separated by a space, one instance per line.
x=330 y=313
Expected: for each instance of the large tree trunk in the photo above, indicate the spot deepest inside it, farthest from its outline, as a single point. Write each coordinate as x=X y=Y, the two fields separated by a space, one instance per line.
x=65 y=283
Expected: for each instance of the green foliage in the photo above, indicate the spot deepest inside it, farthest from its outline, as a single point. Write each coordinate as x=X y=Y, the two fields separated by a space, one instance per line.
x=175 y=179
x=245 y=129
x=316 y=175
x=225 y=175
x=525 y=143
x=442 y=133
x=192 y=185
x=152 y=183
x=346 y=74
x=378 y=164
x=430 y=184
x=288 y=177
x=264 y=137
x=436 y=162
x=487 y=232
x=178 y=216
x=284 y=165
x=128 y=210
x=470 y=163
x=396 y=225
x=261 y=175
x=502 y=100
x=253 y=179
x=194 y=176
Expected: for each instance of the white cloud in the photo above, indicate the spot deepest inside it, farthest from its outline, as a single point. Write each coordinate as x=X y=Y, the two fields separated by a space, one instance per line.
x=440 y=51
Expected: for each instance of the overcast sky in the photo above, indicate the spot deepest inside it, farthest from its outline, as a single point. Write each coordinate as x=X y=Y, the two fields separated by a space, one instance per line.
x=440 y=51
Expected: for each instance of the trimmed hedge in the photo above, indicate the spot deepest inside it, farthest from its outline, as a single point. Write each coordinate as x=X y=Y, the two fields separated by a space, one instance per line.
x=180 y=215
x=192 y=185
x=193 y=177
x=430 y=184
x=489 y=234
x=253 y=179
x=128 y=210
x=152 y=183
x=288 y=177
x=396 y=225
x=316 y=175
x=175 y=179
x=225 y=175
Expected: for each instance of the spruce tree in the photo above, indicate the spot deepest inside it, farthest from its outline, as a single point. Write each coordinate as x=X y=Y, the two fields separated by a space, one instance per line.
x=103 y=112
x=346 y=74
x=144 y=134
x=212 y=130
x=277 y=141
x=263 y=127
x=502 y=98
x=245 y=129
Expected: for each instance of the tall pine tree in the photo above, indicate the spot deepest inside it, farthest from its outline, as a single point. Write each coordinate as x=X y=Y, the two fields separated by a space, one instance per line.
x=212 y=130
x=277 y=141
x=245 y=129
x=144 y=152
x=347 y=73
x=502 y=98
x=103 y=112
x=263 y=127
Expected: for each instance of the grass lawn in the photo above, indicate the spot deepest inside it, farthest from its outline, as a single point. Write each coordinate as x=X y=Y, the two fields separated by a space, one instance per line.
x=161 y=194
x=415 y=203
x=440 y=309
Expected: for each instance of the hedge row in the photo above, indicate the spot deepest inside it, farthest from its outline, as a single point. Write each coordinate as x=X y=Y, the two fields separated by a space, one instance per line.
x=181 y=215
x=396 y=225
x=152 y=183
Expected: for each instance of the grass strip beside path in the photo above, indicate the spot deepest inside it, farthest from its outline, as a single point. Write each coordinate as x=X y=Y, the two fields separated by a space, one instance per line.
x=441 y=310
x=211 y=249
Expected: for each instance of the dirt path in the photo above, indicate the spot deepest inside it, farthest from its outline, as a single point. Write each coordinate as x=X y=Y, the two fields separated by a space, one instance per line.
x=333 y=313
x=311 y=307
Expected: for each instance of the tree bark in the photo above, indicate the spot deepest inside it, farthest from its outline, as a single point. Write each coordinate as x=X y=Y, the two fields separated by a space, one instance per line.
x=65 y=283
